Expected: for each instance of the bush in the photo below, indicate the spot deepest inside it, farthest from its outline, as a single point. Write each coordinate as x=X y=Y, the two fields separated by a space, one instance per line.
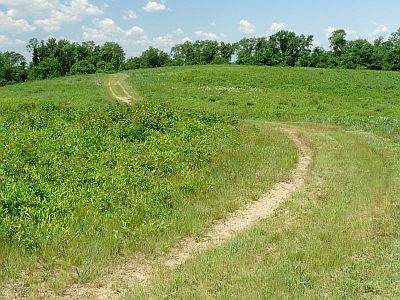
x=82 y=67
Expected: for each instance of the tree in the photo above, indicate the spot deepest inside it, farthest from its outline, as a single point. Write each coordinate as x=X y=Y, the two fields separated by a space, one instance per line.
x=12 y=68
x=395 y=37
x=133 y=63
x=319 y=58
x=113 y=54
x=287 y=47
x=226 y=51
x=153 y=58
x=184 y=54
x=358 y=54
x=338 y=41
x=47 y=68
x=391 y=60
x=245 y=51
x=82 y=67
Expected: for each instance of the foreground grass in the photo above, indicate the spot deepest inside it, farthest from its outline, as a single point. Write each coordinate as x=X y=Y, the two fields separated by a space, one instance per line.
x=82 y=185
x=337 y=239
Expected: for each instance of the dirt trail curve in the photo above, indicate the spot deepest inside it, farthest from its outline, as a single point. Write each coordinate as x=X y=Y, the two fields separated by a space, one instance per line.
x=117 y=89
x=137 y=271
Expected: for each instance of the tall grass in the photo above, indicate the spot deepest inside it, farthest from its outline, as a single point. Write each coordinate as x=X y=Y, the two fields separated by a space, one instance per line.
x=82 y=184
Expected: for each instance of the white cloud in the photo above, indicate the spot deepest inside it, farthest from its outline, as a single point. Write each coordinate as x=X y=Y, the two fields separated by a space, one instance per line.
x=212 y=24
x=170 y=39
x=380 y=30
x=135 y=30
x=103 y=30
x=130 y=15
x=8 y=42
x=246 y=27
x=153 y=6
x=206 y=35
x=106 y=30
x=10 y=25
x=51 y=14
x=278 y=26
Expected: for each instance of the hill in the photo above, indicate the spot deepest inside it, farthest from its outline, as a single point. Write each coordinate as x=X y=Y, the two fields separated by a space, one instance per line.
x=85 y=180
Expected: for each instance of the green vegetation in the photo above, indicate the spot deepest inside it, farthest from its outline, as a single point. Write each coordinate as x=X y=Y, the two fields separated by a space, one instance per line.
x=361 y=99
x=337 y=239
x=82 y=91
x=54 y=58
x=82 y=184
x=84 y=181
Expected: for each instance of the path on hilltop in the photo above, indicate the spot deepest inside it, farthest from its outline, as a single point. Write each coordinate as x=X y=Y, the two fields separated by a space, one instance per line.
x=116 y=88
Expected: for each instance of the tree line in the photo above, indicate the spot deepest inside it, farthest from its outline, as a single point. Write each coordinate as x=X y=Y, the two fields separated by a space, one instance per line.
x=54 y=58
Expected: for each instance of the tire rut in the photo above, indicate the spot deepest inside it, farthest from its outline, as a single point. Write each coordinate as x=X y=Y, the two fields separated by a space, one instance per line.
x=114 y=82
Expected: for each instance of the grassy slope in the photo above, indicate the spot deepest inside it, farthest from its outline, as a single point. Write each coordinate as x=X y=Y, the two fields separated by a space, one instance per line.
x=363 y=99
x=84 y=180
x=78 y=91
x=337 y=239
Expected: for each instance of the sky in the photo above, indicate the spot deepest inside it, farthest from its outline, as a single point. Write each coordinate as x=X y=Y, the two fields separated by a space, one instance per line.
x=139 y=24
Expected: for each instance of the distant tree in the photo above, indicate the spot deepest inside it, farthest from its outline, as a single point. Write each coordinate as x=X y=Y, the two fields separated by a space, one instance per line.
x=391 y=59
x=338 y=41
x=245 y=51
x=3 y=80
x=184 y=54
x=113 y=54
x=65 y=53
x=133 y=63
x=319 y=58
x=226 y=51
x=47 y=68
x=12 y=68
x=288 y=47
x=82 y=67
x=395 y=37
x=153 y=58
x=359 y=54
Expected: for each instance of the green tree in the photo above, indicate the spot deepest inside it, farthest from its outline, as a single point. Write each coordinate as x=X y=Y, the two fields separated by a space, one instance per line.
x=82 y=67
x=153 y=58
x=338 y=41
x=288 y=47
x=133 y=63
x=113 y=54
x=226 y=51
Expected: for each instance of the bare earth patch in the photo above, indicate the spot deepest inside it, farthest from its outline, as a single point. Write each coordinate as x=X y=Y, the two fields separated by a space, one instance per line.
x=118 y=91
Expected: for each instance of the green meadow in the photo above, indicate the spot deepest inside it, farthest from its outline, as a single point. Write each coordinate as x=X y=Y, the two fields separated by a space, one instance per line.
x=85 y=181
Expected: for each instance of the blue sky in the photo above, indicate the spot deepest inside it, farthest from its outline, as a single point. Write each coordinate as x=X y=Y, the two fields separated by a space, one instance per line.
x=138 y=24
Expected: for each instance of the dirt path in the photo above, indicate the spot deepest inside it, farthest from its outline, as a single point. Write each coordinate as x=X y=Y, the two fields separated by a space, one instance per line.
x=138 y=270
x=118 y=91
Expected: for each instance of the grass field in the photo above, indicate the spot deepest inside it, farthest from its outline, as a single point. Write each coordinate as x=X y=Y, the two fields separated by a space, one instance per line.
x=85 y=181
x=366 y=100
x=337 y=239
